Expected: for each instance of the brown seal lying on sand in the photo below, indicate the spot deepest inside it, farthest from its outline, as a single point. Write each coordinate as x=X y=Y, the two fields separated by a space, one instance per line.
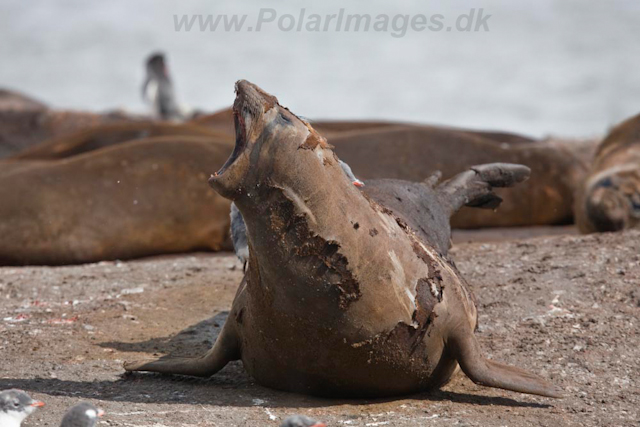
x=130 y=200
x=21 y=129
x=341 y=297
x=15 y=101
x=96 y=137
x=413 y=153
x=609 y=199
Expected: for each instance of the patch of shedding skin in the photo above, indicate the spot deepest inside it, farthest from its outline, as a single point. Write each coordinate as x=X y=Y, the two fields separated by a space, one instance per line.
x=434 y=291
x=436 y=258
x=299 y=204
x=446 y=266
x=399 y=281
x=320 y=153
x=387 y=223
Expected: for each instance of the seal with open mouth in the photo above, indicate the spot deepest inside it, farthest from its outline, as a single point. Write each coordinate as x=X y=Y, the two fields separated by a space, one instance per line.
x=340 y=297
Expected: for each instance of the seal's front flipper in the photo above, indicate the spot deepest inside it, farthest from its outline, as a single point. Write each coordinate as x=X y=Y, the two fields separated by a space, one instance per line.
x=465 y=348
x=474 y=187
x=223 y=351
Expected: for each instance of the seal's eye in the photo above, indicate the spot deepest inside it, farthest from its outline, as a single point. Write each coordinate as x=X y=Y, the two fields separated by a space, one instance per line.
x=284 y=118
x=605 y=183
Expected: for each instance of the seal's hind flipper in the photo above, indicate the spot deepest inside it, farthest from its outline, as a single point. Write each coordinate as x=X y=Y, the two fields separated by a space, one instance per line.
x=474 y=187
x=466 y=350
x=223 y=351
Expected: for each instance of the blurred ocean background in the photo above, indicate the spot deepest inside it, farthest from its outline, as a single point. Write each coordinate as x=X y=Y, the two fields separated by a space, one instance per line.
x=561 y=67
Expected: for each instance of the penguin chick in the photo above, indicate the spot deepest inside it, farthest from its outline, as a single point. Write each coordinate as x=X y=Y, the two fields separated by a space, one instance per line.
x=82 y=415
x=301 y=421
x=15 y=406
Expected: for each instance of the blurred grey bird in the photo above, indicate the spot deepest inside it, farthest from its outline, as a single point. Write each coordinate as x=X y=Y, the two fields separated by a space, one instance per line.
x=301 y=421
x=347 y=170
x=15 y=406
x=82 y=415
x=157 y=89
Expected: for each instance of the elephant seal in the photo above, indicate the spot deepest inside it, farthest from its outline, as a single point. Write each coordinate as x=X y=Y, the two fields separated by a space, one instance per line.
x=370 y=309
x=137 y=199
x=102 y=136
x=24 y=128
x=14 y=101
x=609 y=199
x=413 y=153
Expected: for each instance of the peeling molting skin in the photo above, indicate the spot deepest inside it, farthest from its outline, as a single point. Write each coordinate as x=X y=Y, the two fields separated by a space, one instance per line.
x=289 y=220
x=277 y=177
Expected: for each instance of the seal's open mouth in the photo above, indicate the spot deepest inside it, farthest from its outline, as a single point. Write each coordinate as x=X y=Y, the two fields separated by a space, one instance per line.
x=239 y=120
x=249 y=107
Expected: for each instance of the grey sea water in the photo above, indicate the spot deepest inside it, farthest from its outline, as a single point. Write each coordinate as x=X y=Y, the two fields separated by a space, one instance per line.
x=563 y=67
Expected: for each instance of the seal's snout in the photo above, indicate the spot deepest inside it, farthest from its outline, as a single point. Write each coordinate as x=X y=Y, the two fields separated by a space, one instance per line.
x=251 y=100
x=608 y=209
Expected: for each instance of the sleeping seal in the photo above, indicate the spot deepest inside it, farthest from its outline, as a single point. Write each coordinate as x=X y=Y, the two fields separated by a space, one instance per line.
x=142 y=198
x=609 y=199
x=108 y=135
x=368 y=307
